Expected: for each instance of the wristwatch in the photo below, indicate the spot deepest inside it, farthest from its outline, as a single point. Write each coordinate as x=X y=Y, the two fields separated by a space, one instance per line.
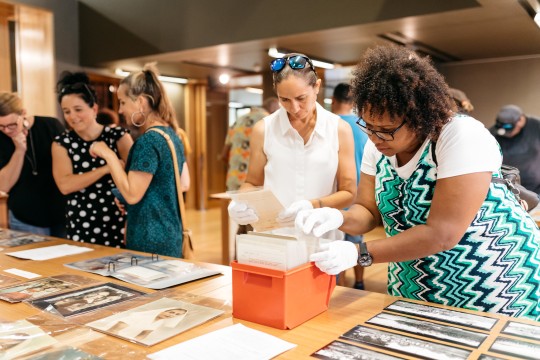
x=364 y=257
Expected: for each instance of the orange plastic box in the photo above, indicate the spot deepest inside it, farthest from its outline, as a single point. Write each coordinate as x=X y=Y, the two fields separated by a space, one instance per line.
x=280 y=299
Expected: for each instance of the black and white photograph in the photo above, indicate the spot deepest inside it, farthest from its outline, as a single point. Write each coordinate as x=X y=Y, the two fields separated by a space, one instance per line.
x=516 y=348
x=339 y=350
x=156 y=321
x=404 y=344
x=108 y=264
x=523 y=330
x=429 y=329
x=489 y=357
x=445 y=315
x=87 y=299
x=6 y=234
x=25 y=239
x=35 y=289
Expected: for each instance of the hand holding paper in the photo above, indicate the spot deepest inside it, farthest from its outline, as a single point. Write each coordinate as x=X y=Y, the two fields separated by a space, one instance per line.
x=289 y=215
x=242 y=213
x=317 y=222
x=335 y=257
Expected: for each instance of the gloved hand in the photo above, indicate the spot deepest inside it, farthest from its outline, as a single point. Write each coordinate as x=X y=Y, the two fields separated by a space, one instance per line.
x=289 y=214
x=316 y=222
x=335 y=257
x=241 y=213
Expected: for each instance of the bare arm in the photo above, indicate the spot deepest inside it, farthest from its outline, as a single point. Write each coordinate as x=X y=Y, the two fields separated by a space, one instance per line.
x=346 y=172
x=9 y=174
x=257 y=158
x=124 y=145
x=132 y=185
x=185 y=181
x=456 y=201
x=65 y=179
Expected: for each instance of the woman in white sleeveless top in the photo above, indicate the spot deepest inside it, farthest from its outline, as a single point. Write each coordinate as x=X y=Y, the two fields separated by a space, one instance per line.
x=303 y=153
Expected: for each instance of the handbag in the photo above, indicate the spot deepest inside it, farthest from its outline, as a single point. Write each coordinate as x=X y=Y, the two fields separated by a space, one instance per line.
x=188 y=252
x=511 y=178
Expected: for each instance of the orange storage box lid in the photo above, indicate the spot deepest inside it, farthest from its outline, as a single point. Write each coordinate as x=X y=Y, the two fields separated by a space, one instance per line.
x=280 y=299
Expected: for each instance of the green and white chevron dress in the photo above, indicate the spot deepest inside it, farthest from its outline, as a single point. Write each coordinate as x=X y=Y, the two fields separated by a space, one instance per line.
x=494 y=268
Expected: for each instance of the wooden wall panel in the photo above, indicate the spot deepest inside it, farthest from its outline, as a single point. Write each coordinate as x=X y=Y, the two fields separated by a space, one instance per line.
x=6 y=13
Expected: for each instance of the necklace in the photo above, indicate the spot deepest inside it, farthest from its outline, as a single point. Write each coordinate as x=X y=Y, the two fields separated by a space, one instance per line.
x=33 y=160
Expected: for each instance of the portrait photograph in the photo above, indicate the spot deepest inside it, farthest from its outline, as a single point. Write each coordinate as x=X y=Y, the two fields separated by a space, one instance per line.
x=35 y=289
x=87 y=299
x=429 y=329
x=20 y=338
x=515 y=348
x=523 y=330
x=440 y=314
x=404 y=344
x=156 y=321
x=339 y=350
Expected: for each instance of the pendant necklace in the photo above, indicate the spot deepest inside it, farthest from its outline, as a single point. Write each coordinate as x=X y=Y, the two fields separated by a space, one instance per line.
x=33 y=160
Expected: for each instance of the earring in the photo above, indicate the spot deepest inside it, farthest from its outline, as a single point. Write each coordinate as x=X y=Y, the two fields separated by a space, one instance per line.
x=138 y=124
x=25 y=123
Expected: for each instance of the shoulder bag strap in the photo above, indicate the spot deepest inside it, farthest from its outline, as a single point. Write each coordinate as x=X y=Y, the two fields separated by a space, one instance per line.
x=181 y=205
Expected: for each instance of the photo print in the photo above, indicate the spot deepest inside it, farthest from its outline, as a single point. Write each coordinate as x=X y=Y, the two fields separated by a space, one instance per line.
x=20 y=338
x=515 y=348
x=25 y=239
x=35 y=289
x=444 y=315
x=87 y=299
x=429 y=329
x=489 y=357
x=69 y=353
x=524 y=330
x=403 y=344
x=339 y=350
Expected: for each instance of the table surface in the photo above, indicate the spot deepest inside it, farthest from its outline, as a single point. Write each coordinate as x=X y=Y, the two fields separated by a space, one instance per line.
x=348 y=307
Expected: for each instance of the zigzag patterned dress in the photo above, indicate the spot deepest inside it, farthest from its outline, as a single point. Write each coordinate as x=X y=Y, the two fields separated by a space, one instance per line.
x=494 y=268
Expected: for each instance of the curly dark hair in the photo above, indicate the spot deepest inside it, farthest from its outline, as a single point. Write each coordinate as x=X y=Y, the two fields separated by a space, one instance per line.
x=396 y=81
x=76 y=83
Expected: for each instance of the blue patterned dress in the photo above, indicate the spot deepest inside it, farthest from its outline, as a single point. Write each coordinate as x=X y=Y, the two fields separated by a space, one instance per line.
x=495 y=267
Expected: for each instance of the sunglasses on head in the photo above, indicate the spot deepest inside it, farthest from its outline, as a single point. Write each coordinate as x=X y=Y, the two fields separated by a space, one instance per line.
x=77 y=88
x=296 y=62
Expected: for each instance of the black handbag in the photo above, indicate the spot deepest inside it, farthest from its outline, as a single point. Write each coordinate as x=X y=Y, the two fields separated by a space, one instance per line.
x=510 y=177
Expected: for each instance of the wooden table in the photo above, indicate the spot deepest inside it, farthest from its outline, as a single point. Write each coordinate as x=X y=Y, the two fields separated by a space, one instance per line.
x=348 y=307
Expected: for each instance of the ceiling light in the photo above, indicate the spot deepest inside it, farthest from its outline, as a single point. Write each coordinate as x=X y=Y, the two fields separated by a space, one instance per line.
x=279 y=53
x=170 y=79
x=224 y=78
x=254 y=90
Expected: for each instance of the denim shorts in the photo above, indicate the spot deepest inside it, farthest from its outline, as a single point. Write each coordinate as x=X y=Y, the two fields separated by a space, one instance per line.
x=16 y=224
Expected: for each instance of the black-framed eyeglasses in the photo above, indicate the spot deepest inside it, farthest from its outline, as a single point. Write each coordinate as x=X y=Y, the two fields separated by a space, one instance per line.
x=383 y=135
x=9 y=127
x=296 y=62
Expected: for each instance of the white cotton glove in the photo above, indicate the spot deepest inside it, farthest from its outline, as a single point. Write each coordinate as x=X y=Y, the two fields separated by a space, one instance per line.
x=289 y=214
x=335 y=257
x=316 y=222
x=241 y=213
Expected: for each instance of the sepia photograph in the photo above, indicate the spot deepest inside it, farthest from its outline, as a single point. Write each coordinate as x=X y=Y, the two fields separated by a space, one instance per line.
x=35 y=289
x=523 y=330
x=515 y=348
x=156 y=321
x=404 y=344
x=87 y=299
x=440 y=314
x=25 y=239
x=20 y=338
x=339 y=350
x=429 y=329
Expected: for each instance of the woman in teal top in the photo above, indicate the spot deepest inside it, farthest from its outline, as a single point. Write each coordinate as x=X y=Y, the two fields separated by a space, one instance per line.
x=148 y=184
x=454 y=236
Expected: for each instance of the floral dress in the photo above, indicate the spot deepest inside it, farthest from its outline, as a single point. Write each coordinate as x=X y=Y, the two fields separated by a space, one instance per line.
x=92 y=215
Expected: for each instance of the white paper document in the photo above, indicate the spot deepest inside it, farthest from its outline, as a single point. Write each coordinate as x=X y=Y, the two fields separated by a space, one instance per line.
x=236 y=342
x=22 y=273
x=266 y=206
x=49 y=252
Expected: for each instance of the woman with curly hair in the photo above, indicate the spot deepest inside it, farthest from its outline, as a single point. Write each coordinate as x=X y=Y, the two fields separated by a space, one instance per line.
x=454 y=236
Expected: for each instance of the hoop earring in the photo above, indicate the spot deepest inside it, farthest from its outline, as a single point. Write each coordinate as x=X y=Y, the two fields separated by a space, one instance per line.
x=138 y=124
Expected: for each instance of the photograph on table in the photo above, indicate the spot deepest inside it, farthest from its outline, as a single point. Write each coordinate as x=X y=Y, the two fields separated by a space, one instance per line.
x=155 y=321
x=524 y=330
x=24 y=239
x=444 y=315
x=405 y=344
x=516 y=348
x=489 y=357
x=108 y=264
x=85 y=300
x=6 y=234
x=20 y=338
x=68 y=353
x=429 y=329
x=339 y=350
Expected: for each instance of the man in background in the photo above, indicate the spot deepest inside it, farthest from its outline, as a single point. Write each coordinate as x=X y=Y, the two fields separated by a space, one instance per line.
x=342 y=105
x=236 y=148
x=519 y=138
